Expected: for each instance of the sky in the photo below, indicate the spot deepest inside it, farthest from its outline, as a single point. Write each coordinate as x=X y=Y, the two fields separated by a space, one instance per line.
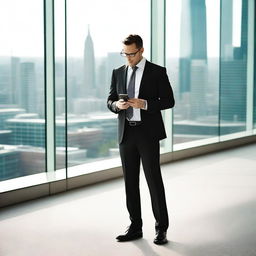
x=21 y=25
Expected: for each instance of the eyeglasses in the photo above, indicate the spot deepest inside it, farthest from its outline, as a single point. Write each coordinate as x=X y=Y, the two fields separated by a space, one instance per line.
x=124 y=54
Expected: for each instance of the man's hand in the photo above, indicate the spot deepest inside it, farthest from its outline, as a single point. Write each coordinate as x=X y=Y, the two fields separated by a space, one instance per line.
x=121 y=104
x=137 y=103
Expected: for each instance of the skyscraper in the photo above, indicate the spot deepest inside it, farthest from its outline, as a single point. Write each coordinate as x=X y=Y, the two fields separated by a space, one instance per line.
x=233 y=72
x=15 y=80
x=193 y=55
x=193 y=41
x=227 y=30
x=4 y=81
x=27 y=93
x=89 y=87
x=198 y=30
x=241 y=51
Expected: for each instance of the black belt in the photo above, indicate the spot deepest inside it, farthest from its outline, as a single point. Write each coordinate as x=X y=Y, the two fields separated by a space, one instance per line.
x=134 y=123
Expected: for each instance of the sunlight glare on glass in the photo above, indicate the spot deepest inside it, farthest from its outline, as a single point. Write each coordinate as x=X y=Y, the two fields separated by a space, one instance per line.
x=237 y=21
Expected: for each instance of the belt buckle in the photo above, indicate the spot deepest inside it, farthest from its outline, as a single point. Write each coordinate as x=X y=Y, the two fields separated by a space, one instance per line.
x=132 y=123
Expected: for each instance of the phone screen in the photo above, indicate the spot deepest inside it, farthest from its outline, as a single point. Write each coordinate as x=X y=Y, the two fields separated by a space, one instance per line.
x=123 y=97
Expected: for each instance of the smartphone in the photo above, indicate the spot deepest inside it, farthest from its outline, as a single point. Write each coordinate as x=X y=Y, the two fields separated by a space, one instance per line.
x=123 y=97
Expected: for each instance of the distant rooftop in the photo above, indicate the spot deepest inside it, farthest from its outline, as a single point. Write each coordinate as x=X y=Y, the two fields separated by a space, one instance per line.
x=6 y=110
x=72 y=120
x=5 y=131
x=205 y=123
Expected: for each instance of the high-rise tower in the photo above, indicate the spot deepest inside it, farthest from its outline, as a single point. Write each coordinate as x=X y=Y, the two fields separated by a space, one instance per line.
x=28 y=93
x=89 y=86
x=233 y=71
x=193 y=41
x=241 y=51
x=15 y=80
x=198 y=30
x=226 y=44
x=193 y=57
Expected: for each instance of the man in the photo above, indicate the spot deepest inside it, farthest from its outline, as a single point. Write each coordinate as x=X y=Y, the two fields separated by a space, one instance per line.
x=140 y=128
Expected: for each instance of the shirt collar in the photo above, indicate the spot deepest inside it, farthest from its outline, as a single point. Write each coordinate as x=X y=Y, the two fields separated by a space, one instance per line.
x=141 y=64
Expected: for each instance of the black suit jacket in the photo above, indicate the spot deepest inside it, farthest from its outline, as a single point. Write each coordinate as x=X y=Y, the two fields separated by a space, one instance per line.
x=155 y=88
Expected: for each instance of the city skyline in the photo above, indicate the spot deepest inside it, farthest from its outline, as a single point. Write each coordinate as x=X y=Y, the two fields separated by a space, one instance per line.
x=15 y=44
x=211 y=103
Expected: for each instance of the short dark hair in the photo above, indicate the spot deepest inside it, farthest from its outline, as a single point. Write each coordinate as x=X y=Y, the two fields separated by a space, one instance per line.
x=133 y=39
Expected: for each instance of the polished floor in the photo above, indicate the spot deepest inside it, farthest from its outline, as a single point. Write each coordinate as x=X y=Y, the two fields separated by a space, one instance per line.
x=211 y=201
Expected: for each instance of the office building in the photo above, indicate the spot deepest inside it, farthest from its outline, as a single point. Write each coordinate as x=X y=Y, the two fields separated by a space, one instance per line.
x=89 y=88
x=9 y=160
x=28 y=92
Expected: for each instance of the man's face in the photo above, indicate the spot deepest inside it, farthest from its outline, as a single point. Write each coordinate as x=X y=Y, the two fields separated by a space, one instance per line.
x=133 y=60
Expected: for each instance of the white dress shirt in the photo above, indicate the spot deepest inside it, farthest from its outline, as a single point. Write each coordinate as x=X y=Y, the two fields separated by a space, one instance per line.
x=138 y=77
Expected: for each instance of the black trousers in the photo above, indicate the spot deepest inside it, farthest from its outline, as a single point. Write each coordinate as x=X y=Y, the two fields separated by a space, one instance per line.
x=138 y=146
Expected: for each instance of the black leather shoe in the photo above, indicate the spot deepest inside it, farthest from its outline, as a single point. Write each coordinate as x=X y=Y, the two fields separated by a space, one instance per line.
x=160 y=237
x=130 y=235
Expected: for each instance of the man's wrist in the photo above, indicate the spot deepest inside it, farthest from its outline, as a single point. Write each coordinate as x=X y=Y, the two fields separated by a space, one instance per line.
x=115 y=106
x=145 y=107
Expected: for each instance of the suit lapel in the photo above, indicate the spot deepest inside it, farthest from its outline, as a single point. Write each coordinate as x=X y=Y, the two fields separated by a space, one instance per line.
x=124 y=76
x=143 y=79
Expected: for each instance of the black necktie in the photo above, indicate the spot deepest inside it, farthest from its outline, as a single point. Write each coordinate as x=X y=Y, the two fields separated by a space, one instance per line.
x=131 y=92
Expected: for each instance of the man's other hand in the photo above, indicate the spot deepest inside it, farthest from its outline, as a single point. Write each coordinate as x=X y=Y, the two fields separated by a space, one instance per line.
x=137 y=103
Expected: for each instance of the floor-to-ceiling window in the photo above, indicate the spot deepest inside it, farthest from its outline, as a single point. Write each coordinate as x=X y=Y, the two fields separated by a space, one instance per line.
x=95 y=30
x=209 y=56
x=209 y=50
x=233 y=66
x=192 y=60
x=22 y=114
x=254 y=91
x=60 y=83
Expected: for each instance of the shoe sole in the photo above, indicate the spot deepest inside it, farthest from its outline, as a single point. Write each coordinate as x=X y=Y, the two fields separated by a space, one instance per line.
x=161 y=243
x=131 y=239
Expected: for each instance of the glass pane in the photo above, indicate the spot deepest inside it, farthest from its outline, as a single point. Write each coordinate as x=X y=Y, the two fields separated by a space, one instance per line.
x=192 y=50
x=22 y=117
x=60 y=97
x=95 y=32
x=233 y=66
x=254 y=90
